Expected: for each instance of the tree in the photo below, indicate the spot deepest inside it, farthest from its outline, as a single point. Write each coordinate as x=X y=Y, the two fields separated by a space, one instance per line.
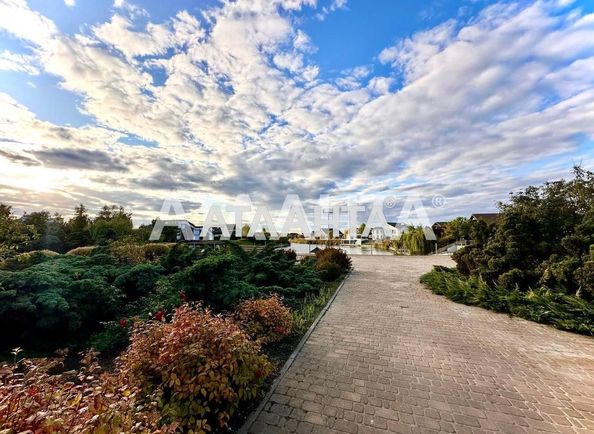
x=413 y=240
x=51 y=231
x=14 y=234
x=542 y=238
x=458 y=229
x=77 y=228
x=112 y=223
x=361 y=228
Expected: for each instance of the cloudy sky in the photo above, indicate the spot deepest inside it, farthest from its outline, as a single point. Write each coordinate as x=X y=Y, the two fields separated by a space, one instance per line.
x=131 y=102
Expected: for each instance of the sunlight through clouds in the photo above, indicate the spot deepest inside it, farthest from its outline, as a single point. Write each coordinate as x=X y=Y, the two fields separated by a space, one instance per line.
x=234 y=102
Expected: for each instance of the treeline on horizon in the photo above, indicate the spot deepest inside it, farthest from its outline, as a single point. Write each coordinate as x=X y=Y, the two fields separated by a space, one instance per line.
x=42 y=230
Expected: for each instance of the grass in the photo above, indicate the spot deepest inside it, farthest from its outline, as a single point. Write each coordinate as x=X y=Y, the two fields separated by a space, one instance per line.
x=310 y=308
x=542 y=305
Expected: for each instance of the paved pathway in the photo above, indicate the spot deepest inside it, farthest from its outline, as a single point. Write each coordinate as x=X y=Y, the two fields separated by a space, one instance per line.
x=389 y=356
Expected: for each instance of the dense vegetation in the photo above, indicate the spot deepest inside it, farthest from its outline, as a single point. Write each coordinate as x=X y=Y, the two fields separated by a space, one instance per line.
x=188 y=374
x=537 y=261
x=413 y=241
x=183 y=328
x=50 y=301
x=43 y=231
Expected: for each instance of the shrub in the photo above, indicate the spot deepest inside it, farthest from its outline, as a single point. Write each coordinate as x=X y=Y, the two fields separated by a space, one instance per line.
x=57 y=302
x=199 y=367
x=133 y=253
x=139 y=280
x=81 y=251
x=34 y=399
x=542 y=305
x=25 y=260
x=585 y=278
x=331 y=263
x=543 y=237
x=155 y=251
x=266 y=320
x=335 y=256
x=512 y=279
x=292 y=255
x=180 y=256
x=127 y=252
x=115 y=337
x=329 y=270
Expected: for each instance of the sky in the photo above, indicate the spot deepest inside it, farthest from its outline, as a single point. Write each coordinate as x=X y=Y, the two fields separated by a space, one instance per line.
x=133 y=102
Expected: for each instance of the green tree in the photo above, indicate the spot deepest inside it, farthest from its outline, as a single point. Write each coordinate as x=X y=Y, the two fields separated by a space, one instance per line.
x=14 y=234
x=413 y=240
x=458 y=229
x=51 y=230
x=112 y=223
x=542 y=238
x=77 y=228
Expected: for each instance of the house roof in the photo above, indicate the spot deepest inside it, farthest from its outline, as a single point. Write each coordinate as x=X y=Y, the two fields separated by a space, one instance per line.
x=488 y=218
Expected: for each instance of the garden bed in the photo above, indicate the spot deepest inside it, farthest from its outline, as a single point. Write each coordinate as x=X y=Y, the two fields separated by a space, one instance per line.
x=280 y=352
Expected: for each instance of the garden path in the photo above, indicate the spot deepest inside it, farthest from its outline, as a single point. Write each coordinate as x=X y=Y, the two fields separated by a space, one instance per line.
x=390 y=356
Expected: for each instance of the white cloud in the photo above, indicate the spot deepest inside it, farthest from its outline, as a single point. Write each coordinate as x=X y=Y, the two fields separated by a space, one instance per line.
x=239 y=102
x=17 y=62
x=17 y=18
x=119 y=34
x=70 y=3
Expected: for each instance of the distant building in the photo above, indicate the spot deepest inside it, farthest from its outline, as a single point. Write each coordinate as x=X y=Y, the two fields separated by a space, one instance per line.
x=326 y=234
x=197 y=232
x=217 y=232
x=393 y=232
x=489 y=218
x=439 y=228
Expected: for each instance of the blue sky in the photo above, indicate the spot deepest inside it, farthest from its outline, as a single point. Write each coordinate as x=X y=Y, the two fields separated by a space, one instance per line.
x=132 y=102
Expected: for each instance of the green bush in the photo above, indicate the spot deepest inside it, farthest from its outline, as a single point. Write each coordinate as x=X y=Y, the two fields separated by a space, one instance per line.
x=113 y=338
x=66 y=299
x=566 y=312
x=543 y=237
x=139 y=280
x=585 y=278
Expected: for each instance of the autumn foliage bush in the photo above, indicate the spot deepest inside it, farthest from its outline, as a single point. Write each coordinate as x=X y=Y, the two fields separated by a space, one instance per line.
x=34 y=399
x=81 y=251
x=198 y=366
x=188 y=374
x=266 y=320
x=331 y=263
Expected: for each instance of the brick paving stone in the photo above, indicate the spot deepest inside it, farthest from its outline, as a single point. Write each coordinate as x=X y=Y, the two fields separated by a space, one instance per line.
x=390 y=356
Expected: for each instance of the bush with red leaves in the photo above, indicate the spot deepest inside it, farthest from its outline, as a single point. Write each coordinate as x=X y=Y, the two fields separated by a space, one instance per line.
x=266 y=320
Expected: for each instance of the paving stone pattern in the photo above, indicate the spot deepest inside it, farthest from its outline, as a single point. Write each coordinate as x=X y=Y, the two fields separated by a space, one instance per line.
x=389 y=356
